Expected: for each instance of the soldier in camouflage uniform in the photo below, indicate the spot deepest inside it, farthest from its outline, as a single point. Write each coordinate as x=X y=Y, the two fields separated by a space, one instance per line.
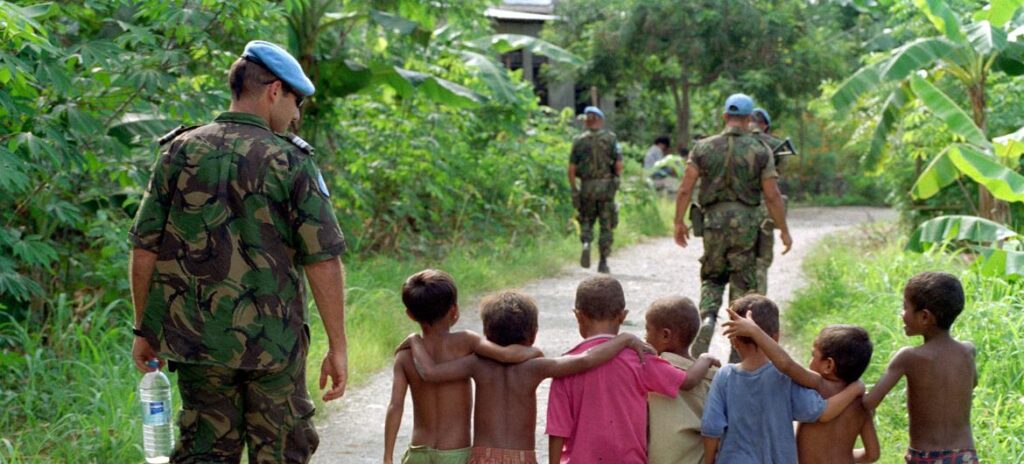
x=734 y=170
x=234 y=215
x=597 y=161
x=760 y=128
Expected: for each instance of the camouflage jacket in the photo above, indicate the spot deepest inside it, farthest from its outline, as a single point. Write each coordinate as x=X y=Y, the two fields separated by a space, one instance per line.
x=594 y=152
x=772 y=142
x=732 y=165
x=232 y=212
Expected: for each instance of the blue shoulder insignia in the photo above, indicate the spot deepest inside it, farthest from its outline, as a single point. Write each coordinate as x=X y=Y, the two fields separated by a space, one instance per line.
x=174 y=133
x=298 y=142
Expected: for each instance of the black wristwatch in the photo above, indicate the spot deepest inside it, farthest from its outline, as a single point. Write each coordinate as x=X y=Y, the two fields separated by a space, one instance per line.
x=137 y=332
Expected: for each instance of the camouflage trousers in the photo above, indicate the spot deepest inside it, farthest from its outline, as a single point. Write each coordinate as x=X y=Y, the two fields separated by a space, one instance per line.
x=269 y=411
x=606 y=213
x=730 y=255
x=765 y=254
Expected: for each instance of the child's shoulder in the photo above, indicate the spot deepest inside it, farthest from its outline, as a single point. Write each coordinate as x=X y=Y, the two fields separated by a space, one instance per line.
x=463 y=340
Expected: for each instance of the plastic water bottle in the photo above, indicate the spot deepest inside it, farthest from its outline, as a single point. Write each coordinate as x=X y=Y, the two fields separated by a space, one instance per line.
x=155 y=396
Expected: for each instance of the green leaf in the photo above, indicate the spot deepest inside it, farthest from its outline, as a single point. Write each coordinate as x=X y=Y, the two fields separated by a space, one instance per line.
x=942 y=17
x=939 y=173
x=1011 y=60
x=945 y=229
x=985 y=38
x=492 y=74
x=1010 y=147
x=865 y=79
x=918 y=54
x=998 y=12
x=948 y=111
x=145 y=127
x=997 y=262
x=872 y=160
x=503 y=43
x=1004 y=184
x=402 y=26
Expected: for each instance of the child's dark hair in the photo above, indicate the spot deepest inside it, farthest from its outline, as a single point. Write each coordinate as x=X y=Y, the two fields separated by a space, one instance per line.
x=600 y=298
x=662 y=140
x=938 y=292
x=763 y=310
x=429 y=295
x=849 y=347
x=678 y=314
x=509 y=317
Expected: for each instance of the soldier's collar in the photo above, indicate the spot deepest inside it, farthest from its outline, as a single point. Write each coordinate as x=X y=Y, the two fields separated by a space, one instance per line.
x=242 y=118
x=733 y=130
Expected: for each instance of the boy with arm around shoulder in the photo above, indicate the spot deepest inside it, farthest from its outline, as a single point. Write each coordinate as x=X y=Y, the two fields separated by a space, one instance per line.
x=506 y=408
x=941 y=374
x=751 y=407
x=441 y=411
x=674 y=431
x=840 y=356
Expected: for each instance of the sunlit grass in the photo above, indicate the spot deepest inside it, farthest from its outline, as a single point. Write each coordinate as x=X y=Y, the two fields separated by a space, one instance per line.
x=863 y=285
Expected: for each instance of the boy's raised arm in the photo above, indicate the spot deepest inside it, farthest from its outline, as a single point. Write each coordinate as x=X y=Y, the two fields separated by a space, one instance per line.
x=897 y=368
x=871 y=450
x=555 y=449
x=710 y=449
x=746 y=327
x=393 y=419
x=512 y=354
x=600 y=354
x=696 y=373
x=429 y=371
x=835 y=405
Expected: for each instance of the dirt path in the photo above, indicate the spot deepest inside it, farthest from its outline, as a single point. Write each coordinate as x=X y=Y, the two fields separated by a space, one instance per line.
x=353 y=431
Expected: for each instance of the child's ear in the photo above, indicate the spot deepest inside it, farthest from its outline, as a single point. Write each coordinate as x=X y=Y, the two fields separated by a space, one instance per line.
x=580 y=317
x=409 y=314
x=453 y=312
x=665 y=333
x=622 y=317
x=928 y=316
x=830 y=366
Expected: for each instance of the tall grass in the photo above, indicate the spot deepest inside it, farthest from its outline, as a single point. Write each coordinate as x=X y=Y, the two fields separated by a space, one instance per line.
x=863 y=285
x=67 y=390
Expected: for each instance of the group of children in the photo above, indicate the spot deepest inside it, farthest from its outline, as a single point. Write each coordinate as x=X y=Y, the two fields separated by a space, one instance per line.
x=612 y=401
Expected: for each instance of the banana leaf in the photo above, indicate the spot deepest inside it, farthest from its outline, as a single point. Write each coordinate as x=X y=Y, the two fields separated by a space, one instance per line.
x=998 y=12
x=872 y=160
x=997 y=262
x=957 y=228
x=865 y=79
x=503 y=43
x=948 y=111
x=942 y=17
x=983 y=168
x=916 y=55
x=1010 y=147
x=985 y=38
x=939 y=173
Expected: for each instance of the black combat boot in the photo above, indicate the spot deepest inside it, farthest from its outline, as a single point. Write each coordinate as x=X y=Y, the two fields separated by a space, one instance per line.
x=602 y=266
x=585 y=256
x=703 y=340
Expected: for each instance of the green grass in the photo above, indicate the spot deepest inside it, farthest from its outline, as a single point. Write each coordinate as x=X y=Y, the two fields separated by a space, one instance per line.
x=862 y=285
x=67 y=390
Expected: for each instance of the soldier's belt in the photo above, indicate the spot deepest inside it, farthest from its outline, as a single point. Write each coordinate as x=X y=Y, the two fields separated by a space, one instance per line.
x=728 y=205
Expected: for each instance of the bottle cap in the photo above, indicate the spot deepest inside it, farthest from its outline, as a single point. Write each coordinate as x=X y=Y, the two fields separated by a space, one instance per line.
x=153 y=363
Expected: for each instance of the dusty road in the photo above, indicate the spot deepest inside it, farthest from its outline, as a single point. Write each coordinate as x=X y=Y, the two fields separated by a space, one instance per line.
x=353 y=431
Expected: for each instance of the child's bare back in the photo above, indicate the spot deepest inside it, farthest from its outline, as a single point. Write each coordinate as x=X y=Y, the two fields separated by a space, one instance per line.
x=441 y=411
x=831 y=442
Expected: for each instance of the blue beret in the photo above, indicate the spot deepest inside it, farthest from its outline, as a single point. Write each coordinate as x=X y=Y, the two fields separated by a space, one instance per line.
x=281 y=63
x=764 y=114
x=594 y=110
x=739 y=104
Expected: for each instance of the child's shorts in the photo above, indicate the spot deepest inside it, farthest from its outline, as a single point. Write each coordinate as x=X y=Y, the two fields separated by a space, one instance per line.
x=959 y=456
x=482 y=455
x=427 y=455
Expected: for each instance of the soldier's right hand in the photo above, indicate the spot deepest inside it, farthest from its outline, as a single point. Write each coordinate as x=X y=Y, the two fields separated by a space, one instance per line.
x=143 y=353
x=335 y=367
x=787 y=241
x=682 y=234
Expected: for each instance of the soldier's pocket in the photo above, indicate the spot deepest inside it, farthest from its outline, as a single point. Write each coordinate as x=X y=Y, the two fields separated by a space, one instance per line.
x=302 y=437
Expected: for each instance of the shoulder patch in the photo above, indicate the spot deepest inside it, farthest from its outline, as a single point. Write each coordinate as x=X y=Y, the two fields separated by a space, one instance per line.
x=298 y=142
x=174 y=134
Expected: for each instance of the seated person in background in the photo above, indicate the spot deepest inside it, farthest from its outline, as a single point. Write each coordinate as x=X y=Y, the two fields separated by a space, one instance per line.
x=941 y=374
x=656 y=153
x=674 y=431
x=840 y=356
x=749 y=413
x=440 y=410
x=506 y=407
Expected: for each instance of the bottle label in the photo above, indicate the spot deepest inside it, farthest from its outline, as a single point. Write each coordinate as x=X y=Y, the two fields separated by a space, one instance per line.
x=156 y=412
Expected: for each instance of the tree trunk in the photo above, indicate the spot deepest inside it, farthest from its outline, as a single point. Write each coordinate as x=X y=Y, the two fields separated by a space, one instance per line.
x=991 y=208
x=681 y=97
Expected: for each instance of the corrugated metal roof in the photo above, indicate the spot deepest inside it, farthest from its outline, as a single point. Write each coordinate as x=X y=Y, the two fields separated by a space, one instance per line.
x=511 y=15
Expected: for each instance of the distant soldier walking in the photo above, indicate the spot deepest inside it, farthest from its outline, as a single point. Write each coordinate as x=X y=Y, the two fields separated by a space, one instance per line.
x=761 y=129
x=597 y=161
x=234 y=215
x=734 y=170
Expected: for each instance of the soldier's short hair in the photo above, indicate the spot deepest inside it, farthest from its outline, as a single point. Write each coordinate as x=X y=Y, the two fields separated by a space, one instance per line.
x=938 y=292
x=248 y=78
x=429 y=294
x=678 y=314
x=600 y=298
x=509 y=317
x=763 y=310
x=849 y=347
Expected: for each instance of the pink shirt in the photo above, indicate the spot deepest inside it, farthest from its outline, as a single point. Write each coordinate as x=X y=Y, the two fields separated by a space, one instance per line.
x=602 y=413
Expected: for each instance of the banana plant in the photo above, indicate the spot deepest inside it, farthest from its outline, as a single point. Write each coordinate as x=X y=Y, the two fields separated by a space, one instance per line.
x=1000 y=250
x=969 y=53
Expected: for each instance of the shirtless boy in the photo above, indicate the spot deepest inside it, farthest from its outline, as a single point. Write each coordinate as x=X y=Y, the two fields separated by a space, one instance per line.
x=506 y=408
x=840 y=356
x=440 y=410
x=749 y=413
x=941 y=374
